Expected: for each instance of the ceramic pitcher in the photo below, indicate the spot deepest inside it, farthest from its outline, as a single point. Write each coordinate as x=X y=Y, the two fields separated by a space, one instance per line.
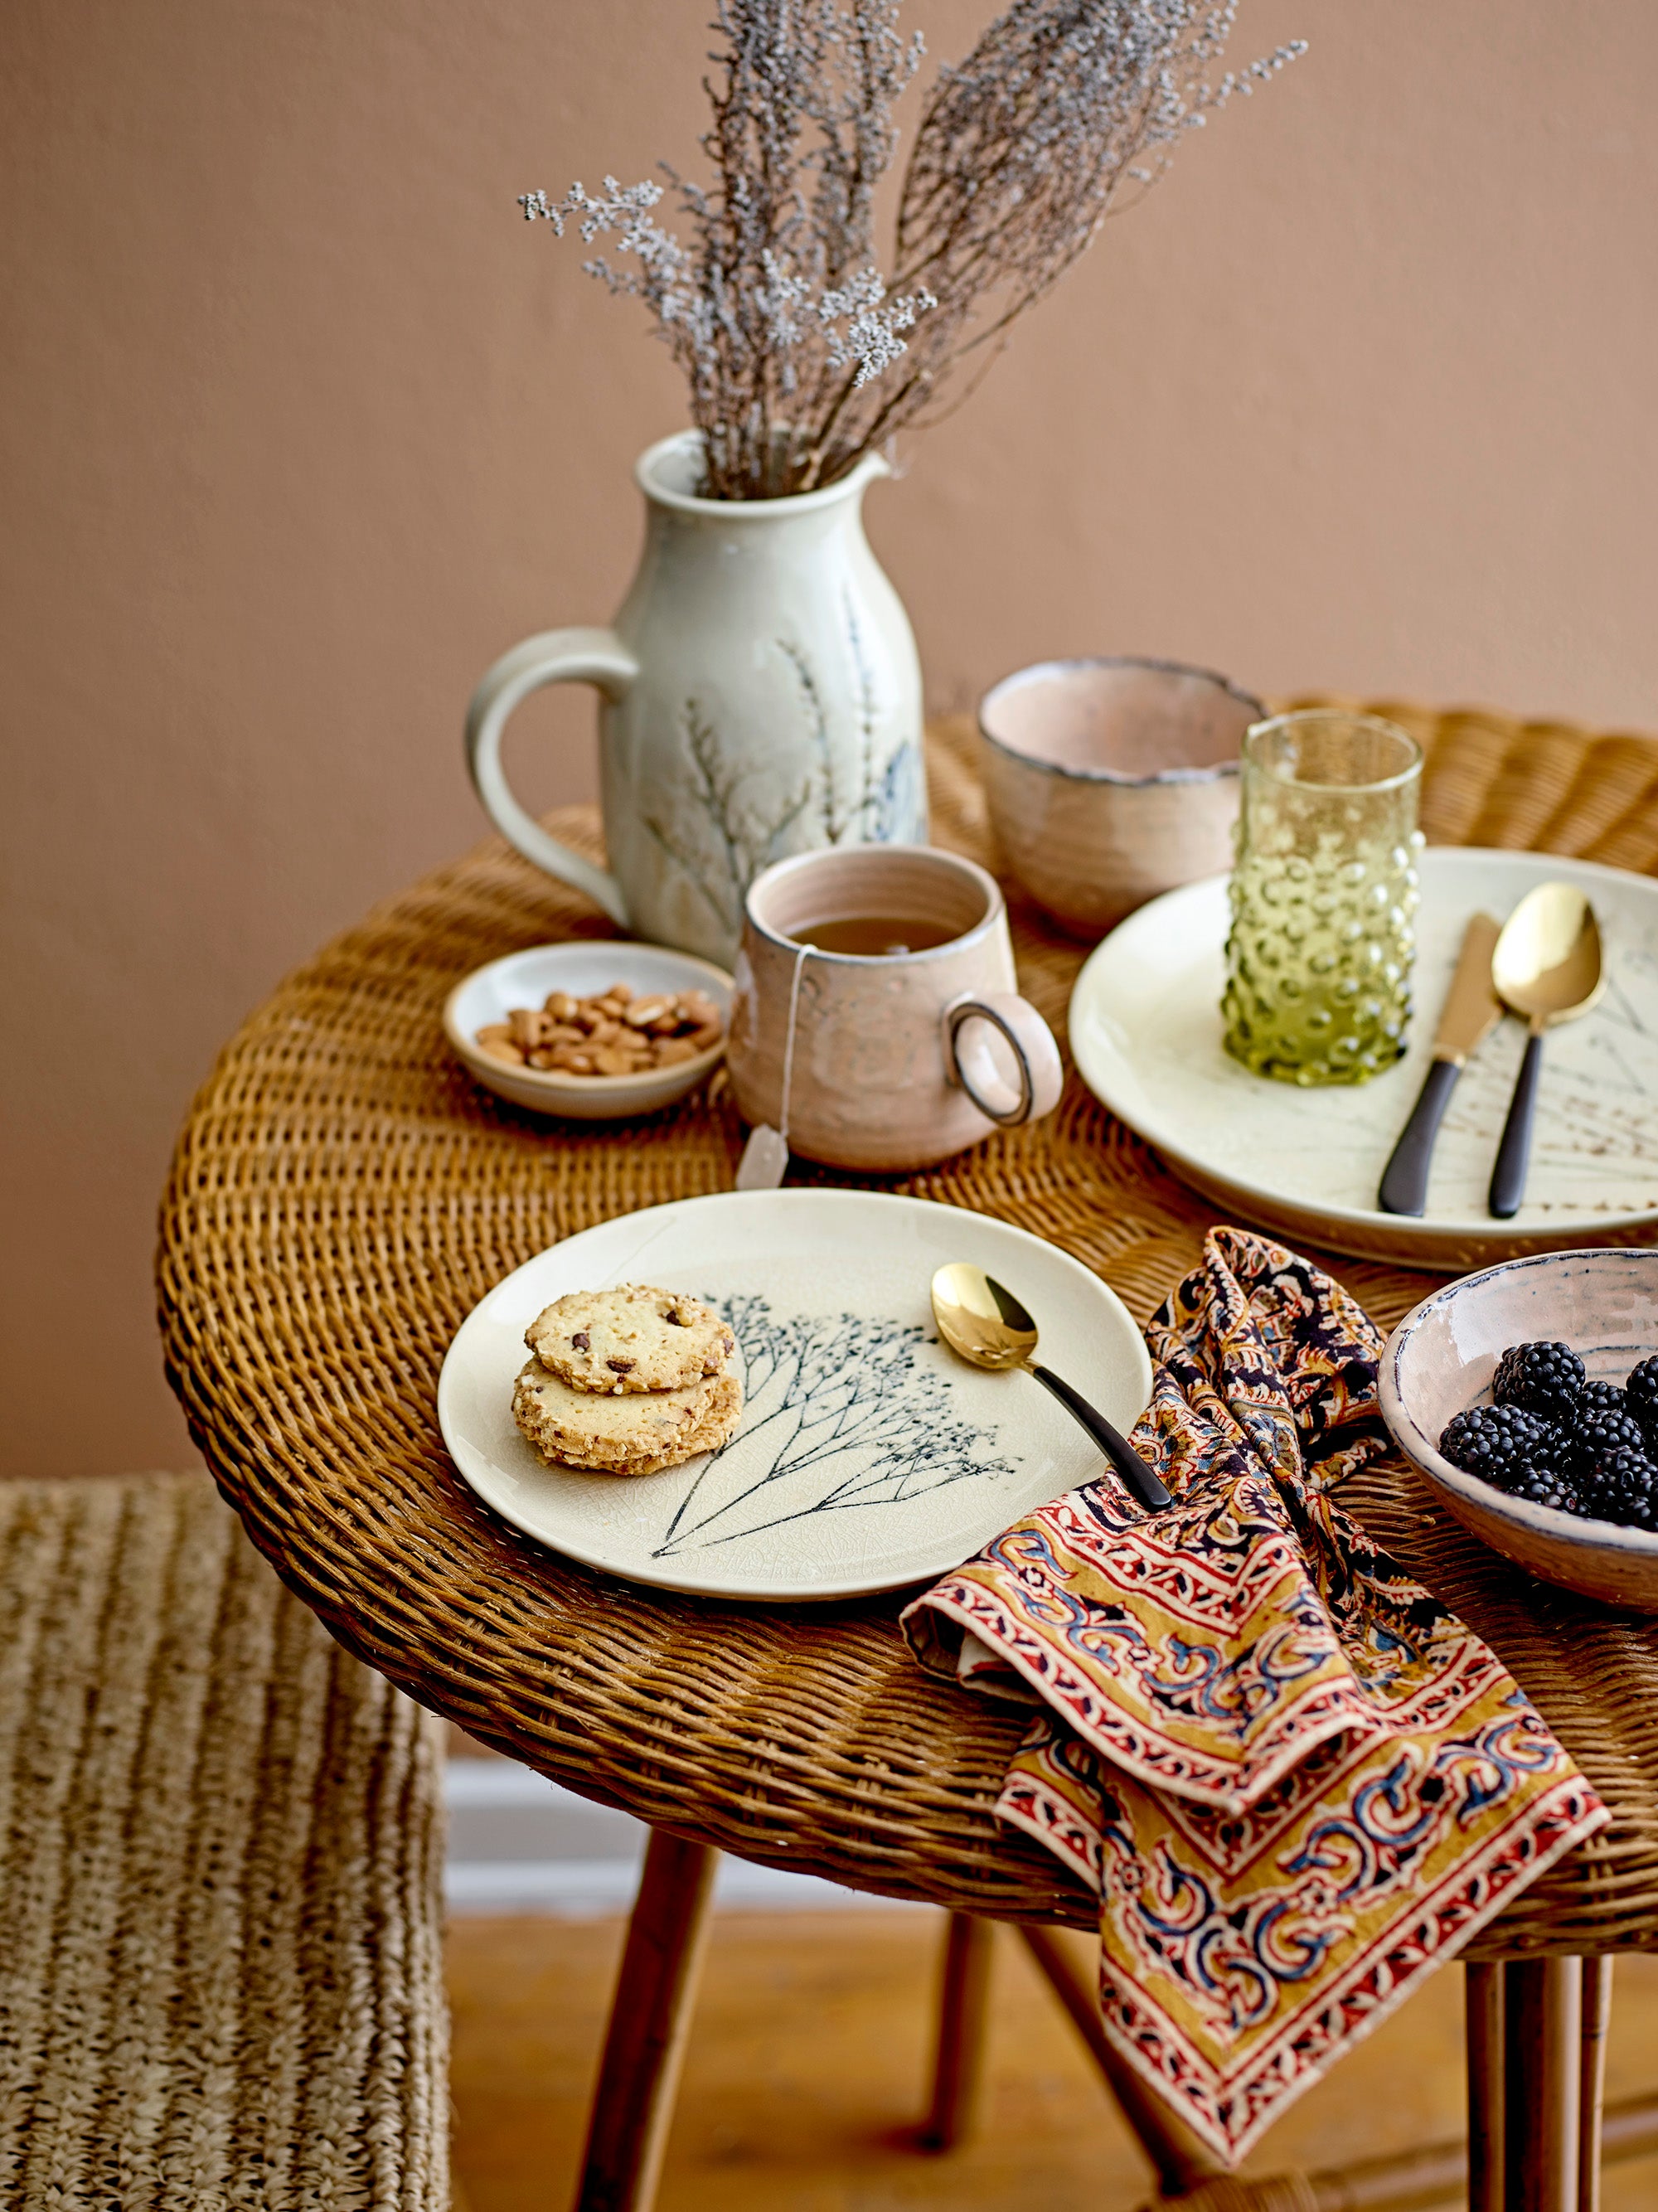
x=761 y=696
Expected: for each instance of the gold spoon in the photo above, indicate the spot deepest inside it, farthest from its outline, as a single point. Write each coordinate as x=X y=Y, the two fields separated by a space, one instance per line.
x=988 y=1327
x=1547 y=969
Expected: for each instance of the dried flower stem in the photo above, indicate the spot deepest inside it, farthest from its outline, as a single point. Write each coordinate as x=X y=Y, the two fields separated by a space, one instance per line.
x=799 y=355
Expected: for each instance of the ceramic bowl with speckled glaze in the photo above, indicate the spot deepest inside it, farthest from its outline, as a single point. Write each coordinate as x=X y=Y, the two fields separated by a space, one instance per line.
x=1442 y=1357
x=1109 y=780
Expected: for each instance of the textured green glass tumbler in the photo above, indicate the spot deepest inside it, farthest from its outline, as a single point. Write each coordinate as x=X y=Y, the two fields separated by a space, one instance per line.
x=1324 y=897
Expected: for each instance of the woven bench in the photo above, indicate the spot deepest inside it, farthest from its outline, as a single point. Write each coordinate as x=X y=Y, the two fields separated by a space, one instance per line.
x=221 y=1842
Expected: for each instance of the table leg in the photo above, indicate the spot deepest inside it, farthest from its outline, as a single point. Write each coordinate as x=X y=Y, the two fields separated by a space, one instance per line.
x=1543 y=2047
x=1180 y=2160
x=958 y=2063
x=650 y=2021
x=1483 y=1988
x=1592 y=2087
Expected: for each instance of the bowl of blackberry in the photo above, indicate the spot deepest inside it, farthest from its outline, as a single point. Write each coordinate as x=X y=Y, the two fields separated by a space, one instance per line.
x=1527 y=1397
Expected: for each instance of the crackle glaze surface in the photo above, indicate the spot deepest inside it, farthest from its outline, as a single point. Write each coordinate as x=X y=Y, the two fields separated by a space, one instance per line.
x=1145 y=1028
x=868 y=1457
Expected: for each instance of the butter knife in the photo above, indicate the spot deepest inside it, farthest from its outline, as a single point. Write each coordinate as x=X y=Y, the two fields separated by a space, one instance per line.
x=1472 y=1010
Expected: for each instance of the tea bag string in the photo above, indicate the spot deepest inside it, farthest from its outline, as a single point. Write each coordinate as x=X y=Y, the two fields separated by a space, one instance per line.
x=788 y=1043
x=765 y=1156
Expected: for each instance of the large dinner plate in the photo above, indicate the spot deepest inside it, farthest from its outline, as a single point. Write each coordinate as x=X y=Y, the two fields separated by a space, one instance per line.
x=1146 y=1031
x=868 y=1457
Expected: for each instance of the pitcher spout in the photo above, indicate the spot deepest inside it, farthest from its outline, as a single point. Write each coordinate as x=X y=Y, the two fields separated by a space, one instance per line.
x=671 y=474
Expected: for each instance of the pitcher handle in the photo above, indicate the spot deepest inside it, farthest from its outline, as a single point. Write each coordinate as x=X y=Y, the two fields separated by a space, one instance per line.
x=1036 y=1057
x=555 y=656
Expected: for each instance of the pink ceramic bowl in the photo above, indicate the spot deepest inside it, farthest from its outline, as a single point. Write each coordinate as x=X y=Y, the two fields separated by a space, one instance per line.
x=1441 y=1359
x=1110 y=780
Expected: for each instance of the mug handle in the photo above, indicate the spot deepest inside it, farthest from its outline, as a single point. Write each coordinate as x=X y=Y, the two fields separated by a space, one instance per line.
x=555 y=656
x=1035 y=1055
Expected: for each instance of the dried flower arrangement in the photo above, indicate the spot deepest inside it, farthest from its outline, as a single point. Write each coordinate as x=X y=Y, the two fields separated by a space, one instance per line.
x=800 y=354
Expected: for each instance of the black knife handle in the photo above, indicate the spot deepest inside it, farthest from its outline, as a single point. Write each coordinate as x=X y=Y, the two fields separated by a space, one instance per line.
x=1112 y=1442
x=1404 y=1180
x=1514 y=1153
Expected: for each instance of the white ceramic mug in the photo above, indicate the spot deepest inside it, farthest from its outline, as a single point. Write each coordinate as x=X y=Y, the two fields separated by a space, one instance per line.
x=899 y=1058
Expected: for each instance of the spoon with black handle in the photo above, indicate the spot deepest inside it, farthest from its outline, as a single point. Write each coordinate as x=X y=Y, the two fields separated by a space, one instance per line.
x=1547 y=968
x=984 y=1324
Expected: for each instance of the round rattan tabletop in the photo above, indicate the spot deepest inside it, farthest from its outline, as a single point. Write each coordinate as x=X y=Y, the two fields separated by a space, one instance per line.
x=343 y=1195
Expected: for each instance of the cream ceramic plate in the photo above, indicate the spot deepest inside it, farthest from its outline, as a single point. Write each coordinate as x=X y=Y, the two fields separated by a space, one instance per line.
x=1146 y=1031
x=868 y=1457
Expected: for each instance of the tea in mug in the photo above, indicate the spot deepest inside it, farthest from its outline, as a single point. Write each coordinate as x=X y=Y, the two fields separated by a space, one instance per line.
x=873 y=936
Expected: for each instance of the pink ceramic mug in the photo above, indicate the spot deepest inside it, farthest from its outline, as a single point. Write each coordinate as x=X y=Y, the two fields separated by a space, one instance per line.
x=899 y=1058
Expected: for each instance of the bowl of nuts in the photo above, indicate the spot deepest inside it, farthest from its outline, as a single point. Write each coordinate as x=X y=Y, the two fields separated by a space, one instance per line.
x=1526 y=1395
x=592 y=1031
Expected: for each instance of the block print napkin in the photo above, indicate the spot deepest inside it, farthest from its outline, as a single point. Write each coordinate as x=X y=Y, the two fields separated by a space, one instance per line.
x=1297 y=1784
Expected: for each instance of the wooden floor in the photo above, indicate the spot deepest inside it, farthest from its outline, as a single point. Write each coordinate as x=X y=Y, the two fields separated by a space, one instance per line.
x=809 y=2060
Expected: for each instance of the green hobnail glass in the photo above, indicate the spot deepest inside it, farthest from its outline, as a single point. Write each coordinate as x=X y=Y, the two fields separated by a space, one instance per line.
x=1323 y=897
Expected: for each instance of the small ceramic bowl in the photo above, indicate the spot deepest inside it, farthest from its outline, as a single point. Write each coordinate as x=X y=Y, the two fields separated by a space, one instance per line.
x=1441 y=1359
x=525 y=979
x=1111 y=781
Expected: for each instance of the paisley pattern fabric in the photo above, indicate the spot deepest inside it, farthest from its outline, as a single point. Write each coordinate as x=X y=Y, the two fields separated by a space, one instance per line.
x=1297 y=1784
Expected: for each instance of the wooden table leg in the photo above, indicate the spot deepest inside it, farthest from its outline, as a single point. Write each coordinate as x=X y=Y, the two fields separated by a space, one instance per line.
x=1180 y=2160
x=1543 y=2034
x=1592 y=2087
x=959 y=2059
x=1483 y=2034
x=650 y=2020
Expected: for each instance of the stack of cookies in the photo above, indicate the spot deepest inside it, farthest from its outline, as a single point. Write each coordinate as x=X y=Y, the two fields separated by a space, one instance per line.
x=628 y=1380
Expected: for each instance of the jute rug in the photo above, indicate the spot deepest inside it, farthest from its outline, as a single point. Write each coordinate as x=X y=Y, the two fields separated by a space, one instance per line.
x=221 y=1850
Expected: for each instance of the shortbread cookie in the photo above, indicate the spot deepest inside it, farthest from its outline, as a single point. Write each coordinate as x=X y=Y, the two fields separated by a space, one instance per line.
x=632 y=1339
x=638 y=1433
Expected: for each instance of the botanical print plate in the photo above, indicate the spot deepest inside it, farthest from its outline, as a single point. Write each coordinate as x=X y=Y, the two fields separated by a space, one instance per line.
x=868 y=1457
x=1146 y=1031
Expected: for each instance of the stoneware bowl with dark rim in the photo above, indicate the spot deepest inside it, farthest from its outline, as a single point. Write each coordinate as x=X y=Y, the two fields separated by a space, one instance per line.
x=1442 y=1357
x=583 y=968
x=1109 y=780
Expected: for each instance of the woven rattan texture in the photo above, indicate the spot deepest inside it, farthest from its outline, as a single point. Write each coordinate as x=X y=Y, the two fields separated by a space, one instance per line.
x=343 y=1195
x=220 y=1847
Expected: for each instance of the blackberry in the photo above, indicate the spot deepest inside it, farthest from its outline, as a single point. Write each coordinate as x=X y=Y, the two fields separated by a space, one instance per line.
x=1623 y=1488
x=1605 y=1398
x=1596 y=1435
x=1542 y=1378
x=1544 y=1484
x=1642 y=1392
x=1496 y=1442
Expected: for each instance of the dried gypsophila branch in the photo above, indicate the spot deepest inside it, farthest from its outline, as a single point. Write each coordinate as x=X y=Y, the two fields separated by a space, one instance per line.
x=794 y=345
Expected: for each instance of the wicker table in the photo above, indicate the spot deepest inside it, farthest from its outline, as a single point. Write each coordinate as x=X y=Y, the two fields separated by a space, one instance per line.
x=343 y=1195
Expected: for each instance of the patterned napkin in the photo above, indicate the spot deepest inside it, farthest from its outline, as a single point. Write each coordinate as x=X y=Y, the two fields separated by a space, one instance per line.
x=1297 y=1783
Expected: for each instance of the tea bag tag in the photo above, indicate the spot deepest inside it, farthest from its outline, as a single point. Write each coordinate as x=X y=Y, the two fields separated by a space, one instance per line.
x=765 y=1159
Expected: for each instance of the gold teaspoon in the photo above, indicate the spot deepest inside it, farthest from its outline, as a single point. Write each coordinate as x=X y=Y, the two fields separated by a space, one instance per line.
x=986 y=1325
x=1547 y=968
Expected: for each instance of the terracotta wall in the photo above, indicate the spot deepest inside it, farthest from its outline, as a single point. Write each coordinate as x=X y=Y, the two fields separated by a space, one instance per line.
x=301 y=424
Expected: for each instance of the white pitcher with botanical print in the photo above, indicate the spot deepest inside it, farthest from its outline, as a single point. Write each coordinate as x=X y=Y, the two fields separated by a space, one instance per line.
x=761 y=696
